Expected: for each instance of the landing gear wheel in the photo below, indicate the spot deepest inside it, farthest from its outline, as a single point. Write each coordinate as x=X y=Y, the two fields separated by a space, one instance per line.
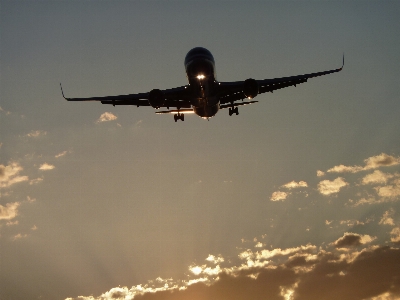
x=179 y=117
x=233 y=110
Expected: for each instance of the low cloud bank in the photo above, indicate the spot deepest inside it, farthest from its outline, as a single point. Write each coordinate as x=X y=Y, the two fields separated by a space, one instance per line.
x=358 y=270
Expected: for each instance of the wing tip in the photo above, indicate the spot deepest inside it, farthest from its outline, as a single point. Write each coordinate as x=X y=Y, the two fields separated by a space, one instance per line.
x=62 y=92
x=341 y=68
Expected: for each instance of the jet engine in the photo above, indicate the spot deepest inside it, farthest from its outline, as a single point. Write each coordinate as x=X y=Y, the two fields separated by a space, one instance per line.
x=250 y=88
x=156 y=98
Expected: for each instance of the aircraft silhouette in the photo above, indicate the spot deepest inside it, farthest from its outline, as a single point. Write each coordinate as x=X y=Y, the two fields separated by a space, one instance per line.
x=204 y=95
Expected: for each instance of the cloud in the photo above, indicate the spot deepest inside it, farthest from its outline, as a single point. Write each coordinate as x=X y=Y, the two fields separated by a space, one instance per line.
x=267 y=254
x=35 y=181
x=36 y=133
x=61 y=154
x=196 y=270
x=19 y=236
x=389 y=191
x=212 y=271
x=10 y=211
x=343 y=169
x=11 y=223
x=215 y=259
x=6 y=112
x=278 y=196
x=9 y=175
x=351 y=223
x=327 y=187
x=294 y=184
x=381 y=160
x=376 y=177
x=385 y=185
x=370 y=200
x=387 y=218
x=350 y=239
x=30 y=200
x=395 y=235
x=317 y=274
x=107 y=116
x=46 y=167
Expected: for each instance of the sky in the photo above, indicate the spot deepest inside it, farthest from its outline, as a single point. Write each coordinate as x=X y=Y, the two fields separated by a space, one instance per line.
x=298 y=197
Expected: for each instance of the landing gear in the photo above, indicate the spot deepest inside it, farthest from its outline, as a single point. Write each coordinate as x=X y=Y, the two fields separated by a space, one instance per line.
x=233 y=110
x=179 y=117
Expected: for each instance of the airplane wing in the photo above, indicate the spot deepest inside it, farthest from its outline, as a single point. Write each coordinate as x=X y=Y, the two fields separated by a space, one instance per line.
x=233 y=91
x=176 y=97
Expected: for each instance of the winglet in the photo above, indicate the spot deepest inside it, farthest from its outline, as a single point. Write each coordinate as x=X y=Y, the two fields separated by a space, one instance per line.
x=343 y=62
x=62 y=92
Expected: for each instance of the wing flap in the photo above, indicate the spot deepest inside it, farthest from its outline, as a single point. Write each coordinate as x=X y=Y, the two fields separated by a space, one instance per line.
x=236 y=104
x=173 y=111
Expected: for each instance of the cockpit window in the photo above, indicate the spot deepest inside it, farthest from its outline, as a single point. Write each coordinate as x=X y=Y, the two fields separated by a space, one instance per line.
x=198 y=52
x=197 y=68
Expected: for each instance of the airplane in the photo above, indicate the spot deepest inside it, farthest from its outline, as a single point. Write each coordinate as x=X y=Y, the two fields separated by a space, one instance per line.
x=204 y=95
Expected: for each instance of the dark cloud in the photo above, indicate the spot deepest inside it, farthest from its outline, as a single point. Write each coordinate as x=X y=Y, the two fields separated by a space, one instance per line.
x=371 y=274
x=117 y=295
x=352 y=240
x=349 y=240
x=381 y=160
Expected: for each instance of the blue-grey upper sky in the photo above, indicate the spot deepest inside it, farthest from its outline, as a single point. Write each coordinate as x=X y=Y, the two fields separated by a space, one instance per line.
x=298 y=197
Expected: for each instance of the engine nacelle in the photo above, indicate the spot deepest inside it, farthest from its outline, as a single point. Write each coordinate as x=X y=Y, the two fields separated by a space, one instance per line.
x=156 y=98
x=250 y=88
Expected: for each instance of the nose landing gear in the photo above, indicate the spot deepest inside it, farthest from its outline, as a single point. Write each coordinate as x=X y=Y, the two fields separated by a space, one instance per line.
x=233 y=110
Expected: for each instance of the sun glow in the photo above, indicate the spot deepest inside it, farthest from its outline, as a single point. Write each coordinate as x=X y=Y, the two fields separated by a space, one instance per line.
x=196 y=270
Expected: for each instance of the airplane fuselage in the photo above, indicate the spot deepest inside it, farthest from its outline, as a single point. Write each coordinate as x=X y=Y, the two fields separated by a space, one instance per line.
x=203 y=86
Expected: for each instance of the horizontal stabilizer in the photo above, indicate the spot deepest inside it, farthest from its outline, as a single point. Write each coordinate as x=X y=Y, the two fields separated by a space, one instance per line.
x=236 y=104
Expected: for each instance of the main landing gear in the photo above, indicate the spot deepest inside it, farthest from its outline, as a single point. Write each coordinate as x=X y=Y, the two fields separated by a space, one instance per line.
x=179 y=117
x=233 y=110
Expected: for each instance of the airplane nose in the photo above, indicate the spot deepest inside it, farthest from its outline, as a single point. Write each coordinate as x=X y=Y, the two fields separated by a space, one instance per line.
x=199 y=67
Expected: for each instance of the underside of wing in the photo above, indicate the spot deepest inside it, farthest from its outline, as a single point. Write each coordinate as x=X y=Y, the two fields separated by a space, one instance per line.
x=230 y=92
x=176 y=97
